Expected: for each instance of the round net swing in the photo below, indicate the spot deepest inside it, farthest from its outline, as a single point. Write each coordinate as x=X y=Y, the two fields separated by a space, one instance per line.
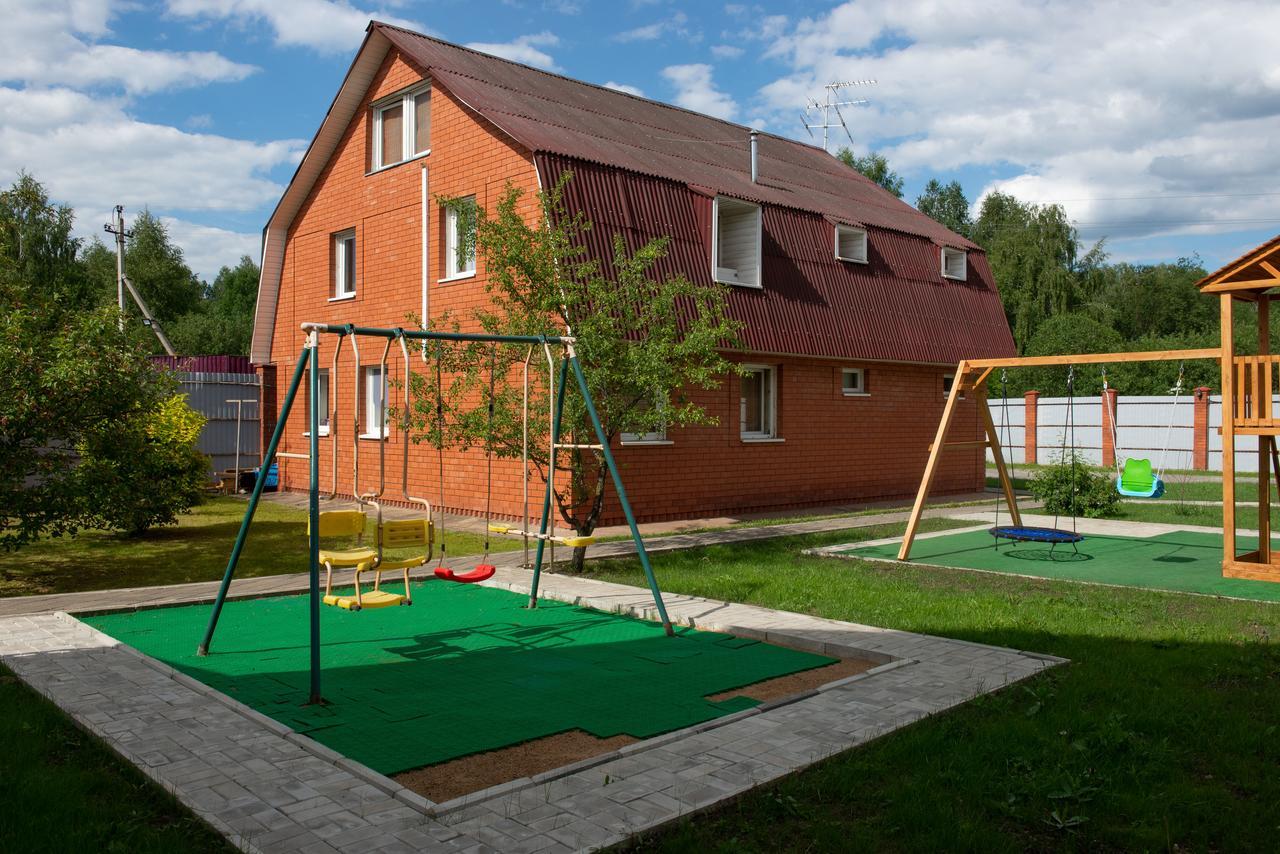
x=1053 y=536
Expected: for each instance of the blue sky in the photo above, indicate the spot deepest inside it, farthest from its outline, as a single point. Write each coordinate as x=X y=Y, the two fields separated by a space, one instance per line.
x=1151 y=122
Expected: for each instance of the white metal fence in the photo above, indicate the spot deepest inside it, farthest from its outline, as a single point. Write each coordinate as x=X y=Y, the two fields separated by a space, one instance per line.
x=1144 y=425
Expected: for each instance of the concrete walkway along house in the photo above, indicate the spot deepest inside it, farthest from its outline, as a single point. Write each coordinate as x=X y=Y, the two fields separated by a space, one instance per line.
x=856 y=307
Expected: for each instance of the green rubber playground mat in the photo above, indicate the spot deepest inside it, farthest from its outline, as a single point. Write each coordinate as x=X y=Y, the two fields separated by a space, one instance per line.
x=464 y=669
x=1182 y=561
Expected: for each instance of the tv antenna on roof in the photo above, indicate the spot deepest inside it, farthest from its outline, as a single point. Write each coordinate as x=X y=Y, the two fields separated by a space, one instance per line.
x=832 y=102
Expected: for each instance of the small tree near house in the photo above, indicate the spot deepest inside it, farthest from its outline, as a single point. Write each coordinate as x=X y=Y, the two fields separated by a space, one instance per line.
x=643 y=343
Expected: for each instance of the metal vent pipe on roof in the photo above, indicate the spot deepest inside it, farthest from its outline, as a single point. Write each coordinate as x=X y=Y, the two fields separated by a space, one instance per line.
x=754 y=147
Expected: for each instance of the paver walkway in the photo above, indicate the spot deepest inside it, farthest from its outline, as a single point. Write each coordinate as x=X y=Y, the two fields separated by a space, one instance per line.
x=271 y=790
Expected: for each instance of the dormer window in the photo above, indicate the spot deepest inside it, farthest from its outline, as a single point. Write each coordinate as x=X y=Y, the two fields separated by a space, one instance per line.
x=735 y=256
x=402 y=127
x=955 y=263
x=851 y=244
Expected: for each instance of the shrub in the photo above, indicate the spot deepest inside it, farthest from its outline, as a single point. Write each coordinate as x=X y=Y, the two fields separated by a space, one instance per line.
x=146 y=471
x=1095 y=495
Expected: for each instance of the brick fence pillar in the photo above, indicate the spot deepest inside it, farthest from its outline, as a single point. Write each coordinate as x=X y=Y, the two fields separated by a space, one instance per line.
x=1200 y=430
x=267 y=411
x=1030 y=421
x=1109 y=410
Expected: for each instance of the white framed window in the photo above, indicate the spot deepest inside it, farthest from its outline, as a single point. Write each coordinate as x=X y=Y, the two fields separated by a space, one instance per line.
x=851 y=244
x=375 y=391
x=955 y=263
x=344 y=265
x=402 y=127
x=322 y=402
x=456 y=224
x=853 y=382
x=738 y=227
x=657 y=436
x=758 y=403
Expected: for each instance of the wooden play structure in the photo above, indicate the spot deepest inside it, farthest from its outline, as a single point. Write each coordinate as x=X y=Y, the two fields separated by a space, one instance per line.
x=1248 y=385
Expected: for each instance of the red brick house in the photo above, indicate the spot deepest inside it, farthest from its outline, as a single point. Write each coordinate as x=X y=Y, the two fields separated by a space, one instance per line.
x=856 y=306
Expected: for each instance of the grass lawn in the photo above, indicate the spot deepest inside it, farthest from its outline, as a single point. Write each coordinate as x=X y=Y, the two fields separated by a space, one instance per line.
x=63 y=790
x=196 y=549
x=1161 y=734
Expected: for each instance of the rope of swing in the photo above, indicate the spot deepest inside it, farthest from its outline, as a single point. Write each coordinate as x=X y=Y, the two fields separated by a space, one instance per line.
x=1173 y=412
x=488 y=452
x=1003 y=434
x=1075 y=458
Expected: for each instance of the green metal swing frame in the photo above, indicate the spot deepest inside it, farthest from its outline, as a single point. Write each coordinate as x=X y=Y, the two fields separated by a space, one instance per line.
x=308 y=359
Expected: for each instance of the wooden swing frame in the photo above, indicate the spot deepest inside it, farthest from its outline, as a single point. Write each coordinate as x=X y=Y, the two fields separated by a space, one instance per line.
x=1245 y=379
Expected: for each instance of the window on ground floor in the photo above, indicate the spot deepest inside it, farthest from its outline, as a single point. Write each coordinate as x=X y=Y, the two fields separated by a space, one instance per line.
x=757 y=403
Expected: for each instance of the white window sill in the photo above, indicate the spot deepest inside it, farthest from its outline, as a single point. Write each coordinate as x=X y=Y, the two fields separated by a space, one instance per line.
x=955 y=278
x=761 y=440
x=853 y=260
x=457 y=278
x=324 y=431
x=856 y=393
x=740 y=284
x=646 y=443
x=397 y=163
x=343 y=297
x=373 y=436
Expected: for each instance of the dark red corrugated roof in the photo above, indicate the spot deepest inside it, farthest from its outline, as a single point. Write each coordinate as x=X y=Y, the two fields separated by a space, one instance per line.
x=549 y=113
x=895 y=308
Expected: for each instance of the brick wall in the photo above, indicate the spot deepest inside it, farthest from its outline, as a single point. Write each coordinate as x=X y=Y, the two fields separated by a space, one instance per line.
x=834 y=449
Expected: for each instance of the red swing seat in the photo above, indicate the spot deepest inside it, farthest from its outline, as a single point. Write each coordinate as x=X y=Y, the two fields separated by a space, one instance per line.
x=482 y=572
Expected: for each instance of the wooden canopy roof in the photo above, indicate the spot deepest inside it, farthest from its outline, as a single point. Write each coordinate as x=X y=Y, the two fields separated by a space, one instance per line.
x=1253 y=273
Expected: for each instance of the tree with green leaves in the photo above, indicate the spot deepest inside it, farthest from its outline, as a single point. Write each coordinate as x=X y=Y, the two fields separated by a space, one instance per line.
x=222 y=323
x=90 y=434
x=643 y=343
x=874 y=166
x=1034 y=252
x=946 y=203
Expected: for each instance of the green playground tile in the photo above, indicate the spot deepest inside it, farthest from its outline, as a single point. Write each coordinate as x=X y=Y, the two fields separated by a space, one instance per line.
x=466 y=669
x=1179 y=561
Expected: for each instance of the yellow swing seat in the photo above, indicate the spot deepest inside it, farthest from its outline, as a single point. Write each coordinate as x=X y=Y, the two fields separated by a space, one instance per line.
x=391 y=534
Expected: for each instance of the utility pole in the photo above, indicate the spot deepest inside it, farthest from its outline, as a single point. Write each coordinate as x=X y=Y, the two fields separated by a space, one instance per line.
x=122 y=282
x=832 y=102
x=116 y=227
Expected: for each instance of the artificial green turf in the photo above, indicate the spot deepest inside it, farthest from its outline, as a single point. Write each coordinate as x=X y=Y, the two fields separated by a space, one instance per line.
x=464 y=669
x=1183 y=561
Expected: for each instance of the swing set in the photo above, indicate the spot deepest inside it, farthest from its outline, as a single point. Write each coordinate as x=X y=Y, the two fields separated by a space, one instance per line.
x=419 y=532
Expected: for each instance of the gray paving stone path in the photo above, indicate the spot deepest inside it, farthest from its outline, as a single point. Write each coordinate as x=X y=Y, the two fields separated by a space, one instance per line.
x=269 y=789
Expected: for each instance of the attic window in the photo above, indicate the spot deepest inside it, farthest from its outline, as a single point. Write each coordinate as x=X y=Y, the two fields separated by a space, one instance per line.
x=735 y=259
x=851 y=244
x=402 y=127
x=955 y=263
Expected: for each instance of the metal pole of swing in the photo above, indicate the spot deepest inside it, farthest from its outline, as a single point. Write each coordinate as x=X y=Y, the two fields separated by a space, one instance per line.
x=261 y=480
x=313 y=516
x=622 y=492
x=546 y=501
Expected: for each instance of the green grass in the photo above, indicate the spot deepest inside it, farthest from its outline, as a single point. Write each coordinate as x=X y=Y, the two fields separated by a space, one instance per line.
x=63 y=790
x=196 y=549
x=1161 y=734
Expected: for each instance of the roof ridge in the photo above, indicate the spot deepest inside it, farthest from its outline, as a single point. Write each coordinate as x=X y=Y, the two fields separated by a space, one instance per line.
x=654 y=101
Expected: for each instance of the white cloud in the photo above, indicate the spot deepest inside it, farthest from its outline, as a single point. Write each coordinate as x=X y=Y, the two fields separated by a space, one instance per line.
x=208 y=249
x=676 y=26
x=329 y=26
x=695 y=90
x=89 y=153
x=54 y=43
x=1092 y=103
x=526 y=49
x=726 y=51
x=623 y=87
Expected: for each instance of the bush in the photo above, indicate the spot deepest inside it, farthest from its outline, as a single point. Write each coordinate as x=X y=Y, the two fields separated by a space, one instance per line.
x=1095 y=495
x=146 y=471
